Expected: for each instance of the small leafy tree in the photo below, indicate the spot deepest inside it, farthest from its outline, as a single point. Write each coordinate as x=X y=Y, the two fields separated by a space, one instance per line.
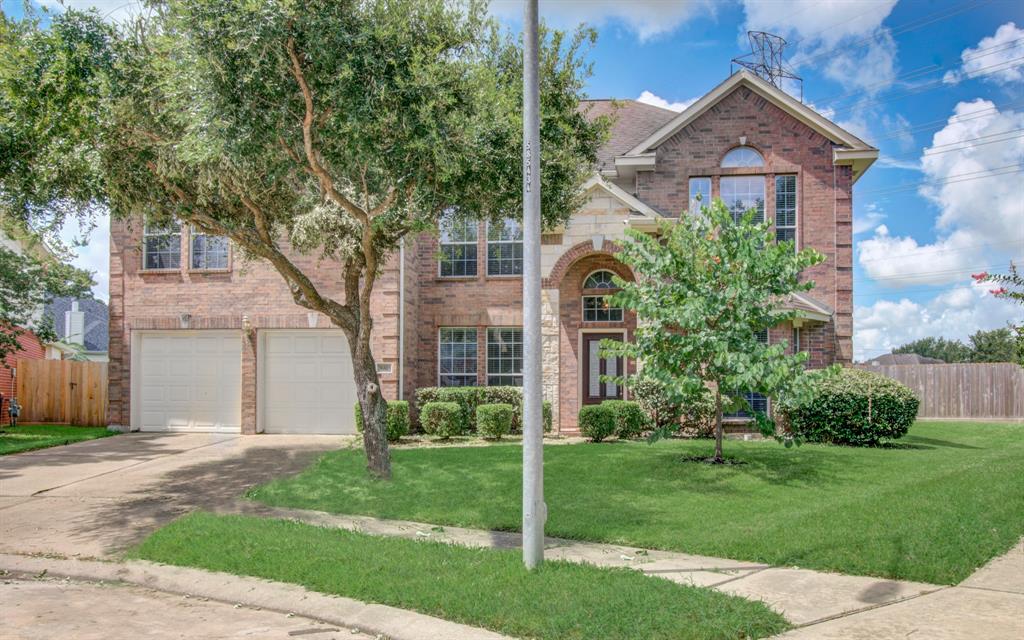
x=328 y=127
x=705 y=287
x=1010 y=287
x=28 y=283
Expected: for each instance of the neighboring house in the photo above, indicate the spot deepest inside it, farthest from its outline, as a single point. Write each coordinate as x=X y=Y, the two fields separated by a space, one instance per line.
x=903 y=358
x=82 y=325
x=199 y=342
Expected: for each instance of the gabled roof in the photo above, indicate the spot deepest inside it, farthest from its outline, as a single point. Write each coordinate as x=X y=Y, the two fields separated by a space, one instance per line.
x=852 y=151
x=632 y=121
x=641 y=214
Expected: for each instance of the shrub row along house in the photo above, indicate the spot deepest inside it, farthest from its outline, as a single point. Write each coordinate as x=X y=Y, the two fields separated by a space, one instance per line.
x=200 y=340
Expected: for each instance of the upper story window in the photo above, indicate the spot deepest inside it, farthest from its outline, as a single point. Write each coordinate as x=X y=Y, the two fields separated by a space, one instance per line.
x=700 y=194
x=741 y=193
x=458 y=248
x=209 y=251
x=504 y=248
x=785 y=208
x=456 y=357
x=161 y=246
x=742 y=157
x=599 y=308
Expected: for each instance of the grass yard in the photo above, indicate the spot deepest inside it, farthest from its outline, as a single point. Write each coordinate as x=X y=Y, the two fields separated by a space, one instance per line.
x=41 y=436
x=480 y=587
x=942 y=502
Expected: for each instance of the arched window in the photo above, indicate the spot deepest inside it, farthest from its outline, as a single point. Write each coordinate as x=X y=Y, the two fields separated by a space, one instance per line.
x=742 y=157
x=597 y=307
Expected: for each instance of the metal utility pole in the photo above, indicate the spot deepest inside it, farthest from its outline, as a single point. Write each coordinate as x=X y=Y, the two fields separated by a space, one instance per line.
x=534 y=509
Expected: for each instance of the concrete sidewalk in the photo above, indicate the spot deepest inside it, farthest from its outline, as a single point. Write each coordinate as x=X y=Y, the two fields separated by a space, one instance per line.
x=990 y=604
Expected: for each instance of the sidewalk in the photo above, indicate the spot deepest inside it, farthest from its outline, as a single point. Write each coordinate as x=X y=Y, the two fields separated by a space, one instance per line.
x=989 y=604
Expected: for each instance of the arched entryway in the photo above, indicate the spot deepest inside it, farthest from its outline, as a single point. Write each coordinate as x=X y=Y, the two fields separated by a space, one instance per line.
x=585 y=316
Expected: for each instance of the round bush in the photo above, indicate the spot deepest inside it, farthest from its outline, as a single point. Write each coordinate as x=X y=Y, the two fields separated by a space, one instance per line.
x=854 y=407
x=597 y=422
x=442 y=419
x=630 y=419
x=494 y=420
x=397 y=419
x=655 y=403
x=699 y=416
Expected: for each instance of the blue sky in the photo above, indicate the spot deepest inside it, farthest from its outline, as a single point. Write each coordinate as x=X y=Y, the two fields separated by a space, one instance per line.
x=937 y=85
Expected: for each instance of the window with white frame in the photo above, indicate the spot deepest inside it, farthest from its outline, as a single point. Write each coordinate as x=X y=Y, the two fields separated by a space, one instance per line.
x=161 y=246
x=742 y=157
x=742 y=193
x=458 y=248
x=208 y=251
x=504 y=248
x=456 y=357
x=758 y=403
x=797 y=347
x=785 y=208
x=597 y=307
x=505 y=356
x=700 y=194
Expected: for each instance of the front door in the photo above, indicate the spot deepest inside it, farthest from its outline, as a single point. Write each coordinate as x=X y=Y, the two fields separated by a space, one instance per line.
x=595 y=390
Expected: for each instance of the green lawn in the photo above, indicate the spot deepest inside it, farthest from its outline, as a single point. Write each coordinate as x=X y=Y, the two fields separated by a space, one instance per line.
x=41 y=436
x=481 y=587
x=945 y=500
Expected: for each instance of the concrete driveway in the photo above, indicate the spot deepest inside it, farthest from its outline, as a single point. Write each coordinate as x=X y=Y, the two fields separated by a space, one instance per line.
x=95 y=499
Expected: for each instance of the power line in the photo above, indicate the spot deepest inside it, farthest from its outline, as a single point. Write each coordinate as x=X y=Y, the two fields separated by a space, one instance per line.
x=987 y=112
x=959 y=177
x=938 y=250
x=937 y=272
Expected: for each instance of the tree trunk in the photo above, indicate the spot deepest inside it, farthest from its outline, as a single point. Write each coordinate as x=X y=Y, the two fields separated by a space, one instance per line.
x=718 y=426
x=373 y=405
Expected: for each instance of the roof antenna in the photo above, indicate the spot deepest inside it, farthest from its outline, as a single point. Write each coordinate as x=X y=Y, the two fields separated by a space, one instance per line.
x=765 y=59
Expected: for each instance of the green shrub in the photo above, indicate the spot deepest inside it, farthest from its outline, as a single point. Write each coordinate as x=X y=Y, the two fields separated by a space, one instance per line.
x=469 y=398
x=442 y=419
x=546 y=413
x=854 y=407
x=699 y=416
x=630 y=419
x=663 y=412
x=494 y=420
x=397 y=419
x=597 y=422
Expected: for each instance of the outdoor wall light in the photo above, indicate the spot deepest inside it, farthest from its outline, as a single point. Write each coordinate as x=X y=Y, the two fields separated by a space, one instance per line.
x=598 y=241
x=247 y=325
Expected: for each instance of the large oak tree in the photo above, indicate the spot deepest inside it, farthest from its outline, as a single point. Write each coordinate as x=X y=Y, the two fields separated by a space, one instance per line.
x=332 y=127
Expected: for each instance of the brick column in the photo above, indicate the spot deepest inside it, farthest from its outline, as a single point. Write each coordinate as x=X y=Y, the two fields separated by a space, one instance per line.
x=118 y=367
x=249 y=341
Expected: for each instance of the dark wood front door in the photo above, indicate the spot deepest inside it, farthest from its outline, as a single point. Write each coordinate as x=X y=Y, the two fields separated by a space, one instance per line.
x=593 y=366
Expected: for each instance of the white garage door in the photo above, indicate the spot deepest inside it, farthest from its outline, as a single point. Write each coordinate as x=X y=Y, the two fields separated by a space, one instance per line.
x=190 y=381
x=307 y=380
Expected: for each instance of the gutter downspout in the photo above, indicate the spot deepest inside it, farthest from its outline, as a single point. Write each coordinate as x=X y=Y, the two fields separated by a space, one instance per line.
x=401 y=320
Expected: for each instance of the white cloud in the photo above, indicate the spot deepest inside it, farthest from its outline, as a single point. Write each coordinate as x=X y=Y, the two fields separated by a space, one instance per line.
x=954 y=314
x=649 y=98
x=996 y=58
x=646 y=18
x=981 y=216
x=843 y=37
x=869 y=219
x=94 y=255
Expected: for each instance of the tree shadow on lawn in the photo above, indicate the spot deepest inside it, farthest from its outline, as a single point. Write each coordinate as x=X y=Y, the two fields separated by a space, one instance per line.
x=912 y=441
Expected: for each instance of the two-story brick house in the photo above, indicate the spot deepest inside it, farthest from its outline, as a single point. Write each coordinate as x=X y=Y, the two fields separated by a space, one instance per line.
x=201 y=342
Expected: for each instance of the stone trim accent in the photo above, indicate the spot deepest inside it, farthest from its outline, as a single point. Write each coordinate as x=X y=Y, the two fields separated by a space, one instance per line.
x=581 y=250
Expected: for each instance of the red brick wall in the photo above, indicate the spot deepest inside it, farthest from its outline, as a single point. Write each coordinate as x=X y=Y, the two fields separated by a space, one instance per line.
x=142 y=299
x=824 y=213
x=31 y=349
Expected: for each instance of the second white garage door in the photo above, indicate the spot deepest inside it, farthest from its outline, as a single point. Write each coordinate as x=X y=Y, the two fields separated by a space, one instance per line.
x=307 y=381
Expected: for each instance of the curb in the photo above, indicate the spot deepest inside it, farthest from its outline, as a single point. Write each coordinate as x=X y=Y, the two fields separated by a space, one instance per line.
x=375 y=619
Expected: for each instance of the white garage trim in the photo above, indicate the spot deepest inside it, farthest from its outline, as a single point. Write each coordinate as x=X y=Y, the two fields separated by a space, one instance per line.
x=229 y=397
x=304 y=382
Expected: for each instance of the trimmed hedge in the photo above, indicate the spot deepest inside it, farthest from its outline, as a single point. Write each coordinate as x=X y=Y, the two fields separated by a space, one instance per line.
x=630 y=419
x=494 y=420
x=469 y=398
x=649 y=394
x=397 y=419
x=442 y=419
x=853 y=407
x=597 y=422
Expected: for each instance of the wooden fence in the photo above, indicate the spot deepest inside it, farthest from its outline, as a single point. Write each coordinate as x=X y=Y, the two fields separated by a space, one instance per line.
x=972 y=391
x=63 y=391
